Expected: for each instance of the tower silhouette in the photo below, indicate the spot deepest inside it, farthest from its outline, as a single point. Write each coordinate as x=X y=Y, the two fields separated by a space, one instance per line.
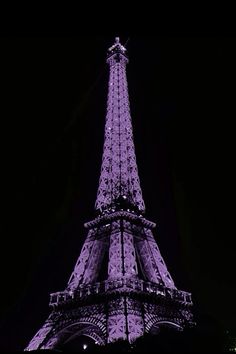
x=120 y=287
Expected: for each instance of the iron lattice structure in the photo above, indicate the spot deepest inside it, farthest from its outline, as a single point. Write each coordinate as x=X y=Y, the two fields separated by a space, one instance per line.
x=120 y=287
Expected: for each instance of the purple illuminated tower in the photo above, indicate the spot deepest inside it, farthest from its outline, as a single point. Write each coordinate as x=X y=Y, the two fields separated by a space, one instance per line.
x=120 y=287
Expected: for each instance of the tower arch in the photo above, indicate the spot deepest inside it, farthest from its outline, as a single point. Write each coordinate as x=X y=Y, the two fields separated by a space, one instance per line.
x=70 y=331
x=158 y=324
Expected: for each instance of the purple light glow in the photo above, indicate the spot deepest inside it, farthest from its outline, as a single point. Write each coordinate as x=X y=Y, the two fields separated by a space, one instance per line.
x=138 y=294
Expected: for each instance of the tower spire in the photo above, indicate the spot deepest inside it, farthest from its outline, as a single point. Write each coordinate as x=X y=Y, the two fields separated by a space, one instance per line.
x=119 y=178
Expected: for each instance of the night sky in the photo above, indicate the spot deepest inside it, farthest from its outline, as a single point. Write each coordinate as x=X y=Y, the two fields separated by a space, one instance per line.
x=53 y=104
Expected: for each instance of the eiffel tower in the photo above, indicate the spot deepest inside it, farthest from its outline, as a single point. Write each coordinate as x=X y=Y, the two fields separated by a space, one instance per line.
x=120 y=287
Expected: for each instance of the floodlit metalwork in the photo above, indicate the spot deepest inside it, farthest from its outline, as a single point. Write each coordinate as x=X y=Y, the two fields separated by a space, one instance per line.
x=119 y=173
x=120 y=287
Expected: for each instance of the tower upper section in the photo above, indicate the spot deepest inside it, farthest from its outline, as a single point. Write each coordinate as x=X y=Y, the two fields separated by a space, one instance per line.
x=119 y=181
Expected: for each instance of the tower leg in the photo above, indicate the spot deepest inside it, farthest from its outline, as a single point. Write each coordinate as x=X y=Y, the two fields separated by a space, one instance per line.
x=125 y=320
x=40 y=336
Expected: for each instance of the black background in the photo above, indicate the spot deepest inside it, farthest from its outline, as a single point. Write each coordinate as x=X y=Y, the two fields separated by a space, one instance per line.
x=52 y=108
